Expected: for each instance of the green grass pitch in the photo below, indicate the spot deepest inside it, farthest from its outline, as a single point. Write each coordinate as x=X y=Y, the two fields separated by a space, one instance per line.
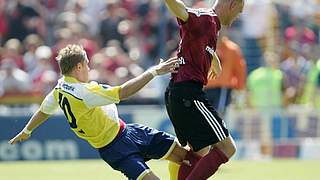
x=98 y=170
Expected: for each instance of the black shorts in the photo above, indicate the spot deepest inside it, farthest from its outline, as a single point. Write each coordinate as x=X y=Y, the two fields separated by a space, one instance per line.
x=194 y=119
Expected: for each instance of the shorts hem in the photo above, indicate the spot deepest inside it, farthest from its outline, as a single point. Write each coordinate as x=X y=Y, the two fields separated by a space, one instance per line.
x=209 y=143
x=170 y=150
x=144 y=173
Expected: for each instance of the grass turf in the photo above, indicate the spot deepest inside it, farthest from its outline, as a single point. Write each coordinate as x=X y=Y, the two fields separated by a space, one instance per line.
x=98 y=170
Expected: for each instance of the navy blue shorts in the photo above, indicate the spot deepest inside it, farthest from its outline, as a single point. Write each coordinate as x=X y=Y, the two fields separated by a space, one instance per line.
x=136 y=145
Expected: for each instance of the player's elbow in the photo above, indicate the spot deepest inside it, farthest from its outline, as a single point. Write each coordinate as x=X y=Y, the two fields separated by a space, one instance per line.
x=123 y=94
x=121 y=98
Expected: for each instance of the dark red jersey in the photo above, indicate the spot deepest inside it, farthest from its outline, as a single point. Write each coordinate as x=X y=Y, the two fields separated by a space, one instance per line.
x=198 y=43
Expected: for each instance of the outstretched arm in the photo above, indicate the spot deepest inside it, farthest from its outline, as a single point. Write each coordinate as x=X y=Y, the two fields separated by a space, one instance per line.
x=134 y=85
x=178 y=8
x=37 y=119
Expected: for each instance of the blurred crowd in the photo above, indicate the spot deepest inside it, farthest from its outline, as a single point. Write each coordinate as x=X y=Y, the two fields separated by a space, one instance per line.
x=279 y=41
x=121 y=38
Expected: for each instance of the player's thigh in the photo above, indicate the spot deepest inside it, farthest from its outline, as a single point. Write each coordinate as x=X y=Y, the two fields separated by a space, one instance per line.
x=133 y=167
x=152 y=143
x=150 y=176
x=178 y=154
x=204 y=151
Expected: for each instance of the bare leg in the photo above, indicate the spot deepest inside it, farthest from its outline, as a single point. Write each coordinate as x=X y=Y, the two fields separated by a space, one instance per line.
x=204 y=151
x=182 y=161
x=178 y=154
x=150 y=176
x=227 y=146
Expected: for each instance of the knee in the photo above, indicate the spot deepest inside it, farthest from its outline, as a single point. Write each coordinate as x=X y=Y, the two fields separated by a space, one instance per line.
x=229 y=148
x=232 y=149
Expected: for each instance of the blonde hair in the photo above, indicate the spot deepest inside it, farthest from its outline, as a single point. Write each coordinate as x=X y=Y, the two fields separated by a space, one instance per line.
x=69 y=57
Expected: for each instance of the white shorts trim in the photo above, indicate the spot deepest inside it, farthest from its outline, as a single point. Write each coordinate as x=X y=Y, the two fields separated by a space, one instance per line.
x=145 y=172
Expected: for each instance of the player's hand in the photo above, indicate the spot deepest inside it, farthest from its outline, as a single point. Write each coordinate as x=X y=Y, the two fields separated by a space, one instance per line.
x=215 y=69
x=19 y=138
x=211 y=75
x=167 y=66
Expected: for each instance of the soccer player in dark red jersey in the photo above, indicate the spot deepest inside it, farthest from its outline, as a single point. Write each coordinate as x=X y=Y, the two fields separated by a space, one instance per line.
x=196 y=122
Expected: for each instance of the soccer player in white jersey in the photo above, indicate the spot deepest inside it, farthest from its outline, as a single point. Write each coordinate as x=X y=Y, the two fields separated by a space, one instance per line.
x=92 y=115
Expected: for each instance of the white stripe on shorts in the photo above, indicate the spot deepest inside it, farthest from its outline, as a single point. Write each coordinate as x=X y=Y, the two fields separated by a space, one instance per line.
x=207 y=117
x=215 y=121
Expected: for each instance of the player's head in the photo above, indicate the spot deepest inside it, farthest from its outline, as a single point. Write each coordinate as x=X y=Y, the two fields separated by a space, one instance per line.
x=73 y=61
x=228 y=10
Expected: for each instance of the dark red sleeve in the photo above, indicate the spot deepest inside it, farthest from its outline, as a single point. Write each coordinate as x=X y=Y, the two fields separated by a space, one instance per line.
x=191 y=23
x=181 y=22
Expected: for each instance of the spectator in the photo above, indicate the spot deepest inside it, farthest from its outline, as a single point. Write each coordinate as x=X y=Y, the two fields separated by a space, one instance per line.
x=257 y=19
x=31 y=43
x=145 y=32
x=309 y=7
x=151 y=33
x=295 y=69
x=24 y=20
x=300 y=33
x=43 y=76
x=265 y=85
x=97 y=72
x=3 y=21
x=311 y=93
x=12 y=79
x=316 y=94
x=12 y=50
x=117 y=62
x=109 y=25
x=74 y=14
x=233 y=75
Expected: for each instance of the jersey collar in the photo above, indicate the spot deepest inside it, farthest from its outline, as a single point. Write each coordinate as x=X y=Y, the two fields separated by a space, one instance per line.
x=70 y=79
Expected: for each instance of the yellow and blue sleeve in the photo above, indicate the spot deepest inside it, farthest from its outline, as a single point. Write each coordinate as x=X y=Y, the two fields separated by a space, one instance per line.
x=49 y=105
x=98 y=95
